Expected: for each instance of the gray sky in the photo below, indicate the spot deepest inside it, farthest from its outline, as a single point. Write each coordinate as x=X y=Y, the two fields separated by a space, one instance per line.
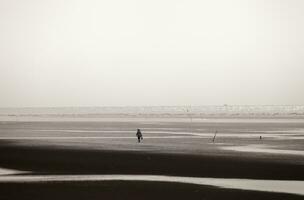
x=161 y=52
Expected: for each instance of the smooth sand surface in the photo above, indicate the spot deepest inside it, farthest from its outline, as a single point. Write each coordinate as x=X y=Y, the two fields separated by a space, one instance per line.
x=264 y=149
x=130 y=190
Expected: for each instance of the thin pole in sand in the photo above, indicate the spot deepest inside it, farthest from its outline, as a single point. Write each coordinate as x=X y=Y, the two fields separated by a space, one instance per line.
x=214 y=136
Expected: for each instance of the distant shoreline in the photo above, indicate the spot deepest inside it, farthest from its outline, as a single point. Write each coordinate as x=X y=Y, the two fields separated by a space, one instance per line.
x=149 y=119
x=190 y=112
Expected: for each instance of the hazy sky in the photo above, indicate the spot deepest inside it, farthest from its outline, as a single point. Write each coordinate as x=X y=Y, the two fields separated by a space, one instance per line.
x=160 y=52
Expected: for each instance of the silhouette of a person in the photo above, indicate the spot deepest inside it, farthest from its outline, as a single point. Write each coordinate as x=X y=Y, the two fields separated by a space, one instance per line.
x=139 y=135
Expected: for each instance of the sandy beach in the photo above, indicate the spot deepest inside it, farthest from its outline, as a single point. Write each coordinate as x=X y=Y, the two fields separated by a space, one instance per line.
x=170 y=148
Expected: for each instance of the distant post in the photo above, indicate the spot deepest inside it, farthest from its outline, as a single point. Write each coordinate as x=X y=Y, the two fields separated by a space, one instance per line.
x=214 y=136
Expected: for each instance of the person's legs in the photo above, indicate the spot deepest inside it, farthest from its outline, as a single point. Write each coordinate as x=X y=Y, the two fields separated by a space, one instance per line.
x=138 y=139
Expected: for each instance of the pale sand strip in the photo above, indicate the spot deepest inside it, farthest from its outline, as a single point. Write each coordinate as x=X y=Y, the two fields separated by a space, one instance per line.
x=263 y=149
x=292 y=187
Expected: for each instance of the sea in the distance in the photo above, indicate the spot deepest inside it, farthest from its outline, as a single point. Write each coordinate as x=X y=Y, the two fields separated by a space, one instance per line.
x=294 y=111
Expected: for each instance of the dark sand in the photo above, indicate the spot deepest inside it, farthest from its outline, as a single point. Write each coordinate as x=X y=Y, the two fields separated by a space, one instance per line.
x=46 y=160
x=129 y=190
x=187 y=157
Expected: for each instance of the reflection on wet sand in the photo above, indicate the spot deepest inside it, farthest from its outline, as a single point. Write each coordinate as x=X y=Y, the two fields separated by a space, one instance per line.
x=292 y=187
x=263 y=149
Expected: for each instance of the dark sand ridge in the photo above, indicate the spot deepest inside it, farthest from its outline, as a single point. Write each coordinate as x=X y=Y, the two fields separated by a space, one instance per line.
x=129 y=190
x=50 y=160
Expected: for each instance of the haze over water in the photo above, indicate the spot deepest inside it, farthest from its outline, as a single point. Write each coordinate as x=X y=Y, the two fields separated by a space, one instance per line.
x=195 y=111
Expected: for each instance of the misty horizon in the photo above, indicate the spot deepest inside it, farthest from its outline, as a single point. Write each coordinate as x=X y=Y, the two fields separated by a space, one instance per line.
x=98 y=53
x=143 y=106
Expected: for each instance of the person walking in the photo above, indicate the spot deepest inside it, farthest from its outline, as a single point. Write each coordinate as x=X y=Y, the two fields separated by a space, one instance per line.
x=139 y=135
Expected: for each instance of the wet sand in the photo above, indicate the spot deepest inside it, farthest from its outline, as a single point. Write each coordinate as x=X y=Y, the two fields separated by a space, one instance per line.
x=129 y=190
x=280 y=186
x=48 y=160
x=157 y=155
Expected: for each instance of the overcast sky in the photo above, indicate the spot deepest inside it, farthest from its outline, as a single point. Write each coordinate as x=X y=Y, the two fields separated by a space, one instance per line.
x=160 y=52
